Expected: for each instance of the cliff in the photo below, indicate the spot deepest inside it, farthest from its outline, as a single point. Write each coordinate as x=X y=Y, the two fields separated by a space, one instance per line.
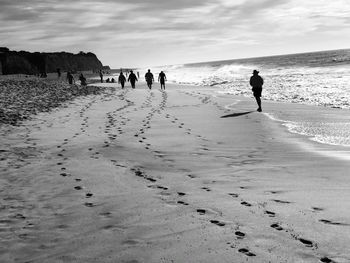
x=23 y=62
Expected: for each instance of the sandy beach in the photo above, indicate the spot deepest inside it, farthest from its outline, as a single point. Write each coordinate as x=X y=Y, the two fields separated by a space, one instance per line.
x=184 y=175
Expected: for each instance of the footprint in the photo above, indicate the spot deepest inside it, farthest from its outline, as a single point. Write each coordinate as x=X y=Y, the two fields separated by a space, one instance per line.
x=151 y=179
x=162 y=187
x=281 y=201
x=105 y=214
x=18 y=216
x=89 y=204
x=246 y=252
x=277 y=227
x=275 y=192
x=158 y=187
x=181 y=193
x=206 y=189
x=63 y=174
x=325 y=221
x=218 y=223
x=239 y=234
x=233 y=195
x=88 y=195
x=191 y=176
x=326 y=260
x=201 y=211
x=139 y=174
x=306 y=242
x=182 y=203
x=270 y=214
x=78 y=188
x=245 y=203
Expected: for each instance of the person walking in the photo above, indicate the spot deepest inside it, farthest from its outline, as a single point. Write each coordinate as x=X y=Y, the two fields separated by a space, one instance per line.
x=132 y=79
x=101 y=76
x=162 y=79
x=70 y=77
x=149 y=79
x=257 y=82
x=82 y=80
x=121 y=79
x=58 y=73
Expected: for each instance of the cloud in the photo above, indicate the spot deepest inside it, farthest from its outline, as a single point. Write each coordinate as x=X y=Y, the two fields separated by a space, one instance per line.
x=127 y=30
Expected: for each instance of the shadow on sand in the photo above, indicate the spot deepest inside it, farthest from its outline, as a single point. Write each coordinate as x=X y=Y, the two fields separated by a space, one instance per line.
x=236 y=114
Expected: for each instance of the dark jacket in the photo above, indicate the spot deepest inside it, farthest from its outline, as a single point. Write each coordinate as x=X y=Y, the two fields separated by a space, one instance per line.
x=121 y=79
x=132 y=77
x=256 y=81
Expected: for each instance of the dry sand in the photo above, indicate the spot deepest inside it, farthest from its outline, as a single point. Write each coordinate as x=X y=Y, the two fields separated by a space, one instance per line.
x=151 y=176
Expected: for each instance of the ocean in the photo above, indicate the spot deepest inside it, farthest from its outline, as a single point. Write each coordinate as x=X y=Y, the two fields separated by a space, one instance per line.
x=316 y=78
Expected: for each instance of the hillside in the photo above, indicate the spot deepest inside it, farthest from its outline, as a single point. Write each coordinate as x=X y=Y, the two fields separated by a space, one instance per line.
x=23 y=62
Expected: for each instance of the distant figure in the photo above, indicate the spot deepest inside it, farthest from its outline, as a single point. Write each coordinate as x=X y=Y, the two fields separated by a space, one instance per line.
x=70 y=77
x=138 y=74
x=101 y=76
x=121 y=79
x=132 y=79
x=58 y=73
x=257 y=82
x=162 y=79
x=113 y=80
x=149 y=79
x=82 y=80
x=107 y=80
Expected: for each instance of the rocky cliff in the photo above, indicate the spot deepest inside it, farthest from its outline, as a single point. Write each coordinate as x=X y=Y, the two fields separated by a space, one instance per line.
x=22 y=62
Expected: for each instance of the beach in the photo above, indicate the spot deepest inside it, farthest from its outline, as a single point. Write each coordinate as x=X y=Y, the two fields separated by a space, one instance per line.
x=188 y=174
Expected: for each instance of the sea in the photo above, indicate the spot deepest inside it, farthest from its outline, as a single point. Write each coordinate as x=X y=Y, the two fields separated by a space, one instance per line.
x=315 y=78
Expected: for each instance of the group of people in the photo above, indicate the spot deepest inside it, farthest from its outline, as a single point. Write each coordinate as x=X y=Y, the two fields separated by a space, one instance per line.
x=149 y=78
x=256 y=81
x=71 y=79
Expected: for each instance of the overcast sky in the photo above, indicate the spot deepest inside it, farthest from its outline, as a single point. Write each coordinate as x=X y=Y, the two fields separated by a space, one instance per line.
x=161 y=32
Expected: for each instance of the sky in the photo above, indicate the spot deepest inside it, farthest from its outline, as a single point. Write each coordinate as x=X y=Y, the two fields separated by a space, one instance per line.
x=143 y=33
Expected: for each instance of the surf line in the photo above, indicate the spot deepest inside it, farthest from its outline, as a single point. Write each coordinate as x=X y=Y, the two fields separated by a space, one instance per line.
x=340 y=154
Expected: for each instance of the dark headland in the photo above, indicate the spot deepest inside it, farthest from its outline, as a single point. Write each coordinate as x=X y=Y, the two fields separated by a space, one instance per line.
x=23 y=62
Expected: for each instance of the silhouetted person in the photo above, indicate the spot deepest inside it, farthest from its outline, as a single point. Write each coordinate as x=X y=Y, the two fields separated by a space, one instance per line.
x=101 y=76
x=149 y=79
x=138 y=74
x=122 y=79
x=82 y=80
x=257 y=82
x=162 y=79
x=58 y=73
x=113 y=80
x=70 y=77
x=132 y=79
x=107 y=80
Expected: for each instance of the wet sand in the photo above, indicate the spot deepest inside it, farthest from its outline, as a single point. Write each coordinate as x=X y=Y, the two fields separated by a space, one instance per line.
x=174 y=176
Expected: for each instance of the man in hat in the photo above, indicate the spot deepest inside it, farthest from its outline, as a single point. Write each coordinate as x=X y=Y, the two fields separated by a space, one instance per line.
x=257 y=82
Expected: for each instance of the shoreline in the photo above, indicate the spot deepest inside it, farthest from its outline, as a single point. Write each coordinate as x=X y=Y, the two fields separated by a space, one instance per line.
x=174 y=176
